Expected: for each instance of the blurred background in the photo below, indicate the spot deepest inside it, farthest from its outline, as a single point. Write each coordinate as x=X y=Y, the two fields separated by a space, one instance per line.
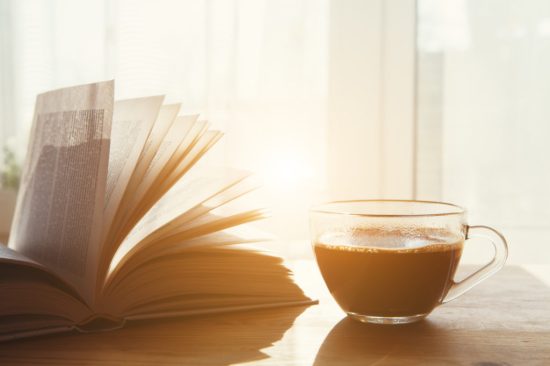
x=324 y=99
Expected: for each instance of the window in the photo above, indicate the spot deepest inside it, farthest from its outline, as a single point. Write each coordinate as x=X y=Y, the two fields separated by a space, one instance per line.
x=255 y=69
x=483 y=115
x=324 y=99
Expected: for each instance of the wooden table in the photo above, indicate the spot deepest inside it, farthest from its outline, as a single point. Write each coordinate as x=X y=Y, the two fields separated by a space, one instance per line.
x=504 y=321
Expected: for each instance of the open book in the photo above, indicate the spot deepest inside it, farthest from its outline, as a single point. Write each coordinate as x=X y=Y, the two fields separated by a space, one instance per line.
x=112 y=225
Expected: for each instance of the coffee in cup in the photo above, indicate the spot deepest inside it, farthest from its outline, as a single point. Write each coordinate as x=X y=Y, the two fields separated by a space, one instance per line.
x=394 y=261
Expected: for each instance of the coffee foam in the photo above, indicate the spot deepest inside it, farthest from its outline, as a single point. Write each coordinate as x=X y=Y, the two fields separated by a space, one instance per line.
x=373 y=240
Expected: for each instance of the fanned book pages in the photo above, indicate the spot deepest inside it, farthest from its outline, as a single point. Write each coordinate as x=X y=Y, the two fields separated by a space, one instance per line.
x=112 y=224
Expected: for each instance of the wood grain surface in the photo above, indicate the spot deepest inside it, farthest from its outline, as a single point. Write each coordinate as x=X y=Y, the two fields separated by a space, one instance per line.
x=504 y=321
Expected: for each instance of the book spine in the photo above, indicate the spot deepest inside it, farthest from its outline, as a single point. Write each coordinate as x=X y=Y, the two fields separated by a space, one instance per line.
x=100 y=323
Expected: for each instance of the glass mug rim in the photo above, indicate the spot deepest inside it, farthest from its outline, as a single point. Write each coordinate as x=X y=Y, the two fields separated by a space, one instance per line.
x=452 y=209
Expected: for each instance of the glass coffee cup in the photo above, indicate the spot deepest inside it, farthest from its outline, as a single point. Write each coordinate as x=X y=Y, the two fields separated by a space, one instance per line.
x=394 y=261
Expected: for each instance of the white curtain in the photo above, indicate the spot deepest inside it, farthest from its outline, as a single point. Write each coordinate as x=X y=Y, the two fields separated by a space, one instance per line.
x=256 y=69
x=484 y=88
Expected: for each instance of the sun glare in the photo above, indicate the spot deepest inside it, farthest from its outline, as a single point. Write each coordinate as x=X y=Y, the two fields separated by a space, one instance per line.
x=286 y=171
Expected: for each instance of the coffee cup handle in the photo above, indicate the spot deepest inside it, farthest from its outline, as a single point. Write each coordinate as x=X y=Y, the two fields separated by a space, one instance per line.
x=499 y=258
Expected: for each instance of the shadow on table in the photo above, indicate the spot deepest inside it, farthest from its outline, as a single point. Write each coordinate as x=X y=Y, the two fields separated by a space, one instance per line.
x=351 y=341
x=202 y=340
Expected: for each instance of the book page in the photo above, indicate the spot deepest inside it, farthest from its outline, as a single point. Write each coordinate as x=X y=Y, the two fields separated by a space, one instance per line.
x=10 y=256
x=204 y=278
x=201 y=145
x=241 y=234
x=133 y=120
x=193 y=153
x=162 y=124
x=167 y=219
x=189 y=198
x=149 y=192
x=30 y=291
x=181 y=133
x=149 y=250
x=58 y=216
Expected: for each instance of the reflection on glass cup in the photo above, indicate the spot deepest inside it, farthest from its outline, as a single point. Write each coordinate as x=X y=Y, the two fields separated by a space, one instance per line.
x=394 y=261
